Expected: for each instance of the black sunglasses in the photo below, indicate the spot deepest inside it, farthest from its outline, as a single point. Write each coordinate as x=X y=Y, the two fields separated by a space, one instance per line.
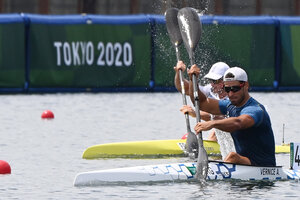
x=234 y=88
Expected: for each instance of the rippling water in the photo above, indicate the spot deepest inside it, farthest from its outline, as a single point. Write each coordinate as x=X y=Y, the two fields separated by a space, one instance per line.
x=45 y=155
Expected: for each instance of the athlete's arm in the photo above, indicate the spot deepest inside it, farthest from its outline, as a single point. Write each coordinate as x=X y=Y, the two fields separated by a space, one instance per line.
x=230 y=124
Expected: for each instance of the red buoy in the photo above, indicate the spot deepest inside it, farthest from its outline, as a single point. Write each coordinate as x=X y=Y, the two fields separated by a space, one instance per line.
x=4 y=167
x=47 y=114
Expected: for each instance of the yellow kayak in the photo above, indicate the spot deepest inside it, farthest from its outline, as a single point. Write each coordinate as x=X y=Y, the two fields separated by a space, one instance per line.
x=283 y=148
x=153 y=149
x=141 y=149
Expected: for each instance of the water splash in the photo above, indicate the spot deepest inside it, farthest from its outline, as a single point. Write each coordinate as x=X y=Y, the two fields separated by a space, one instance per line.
x=225 y=141
x=205 y=52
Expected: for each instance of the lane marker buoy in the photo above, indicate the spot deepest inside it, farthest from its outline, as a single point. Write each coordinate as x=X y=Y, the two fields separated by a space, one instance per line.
x=4 y=167
x=47 y=114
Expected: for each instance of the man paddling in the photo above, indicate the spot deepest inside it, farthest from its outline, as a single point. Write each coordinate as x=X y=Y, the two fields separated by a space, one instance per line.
x=248 y=121
x=212 y=90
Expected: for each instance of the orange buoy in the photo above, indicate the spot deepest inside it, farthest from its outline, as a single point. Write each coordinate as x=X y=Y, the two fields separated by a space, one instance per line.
x=4 y=167
x=47 y=114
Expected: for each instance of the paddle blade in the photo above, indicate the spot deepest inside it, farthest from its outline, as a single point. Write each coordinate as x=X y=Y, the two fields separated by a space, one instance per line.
x=190 y=28
x=191 y=145
x=172 y=26
x=202 y=162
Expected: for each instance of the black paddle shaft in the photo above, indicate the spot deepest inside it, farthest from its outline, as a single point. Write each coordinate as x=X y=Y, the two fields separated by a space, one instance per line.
x=190 y=28
x=191 y=146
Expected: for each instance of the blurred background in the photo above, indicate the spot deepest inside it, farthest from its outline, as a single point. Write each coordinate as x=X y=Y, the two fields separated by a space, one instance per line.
x=213 y=7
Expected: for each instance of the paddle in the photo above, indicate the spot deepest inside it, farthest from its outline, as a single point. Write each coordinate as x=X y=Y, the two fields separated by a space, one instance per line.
x=190 y=28
x=191 y=145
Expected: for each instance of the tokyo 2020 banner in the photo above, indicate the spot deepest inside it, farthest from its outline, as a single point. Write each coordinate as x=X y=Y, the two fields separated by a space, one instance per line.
x=88 y=52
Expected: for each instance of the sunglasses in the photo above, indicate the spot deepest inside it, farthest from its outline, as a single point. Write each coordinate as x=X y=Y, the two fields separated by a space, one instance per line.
x=234 y=88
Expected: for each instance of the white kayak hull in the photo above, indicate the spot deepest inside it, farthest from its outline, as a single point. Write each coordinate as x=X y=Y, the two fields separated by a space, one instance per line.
x=183 y=172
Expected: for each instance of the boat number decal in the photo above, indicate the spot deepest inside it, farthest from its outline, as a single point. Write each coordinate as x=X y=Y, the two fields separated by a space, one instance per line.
x=297 y=156
x=269 y=171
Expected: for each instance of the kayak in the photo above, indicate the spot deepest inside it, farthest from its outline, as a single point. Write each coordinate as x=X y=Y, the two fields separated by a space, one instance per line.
x=217 y=170
x=153 y=149
x=144 y=149
x=183 y=172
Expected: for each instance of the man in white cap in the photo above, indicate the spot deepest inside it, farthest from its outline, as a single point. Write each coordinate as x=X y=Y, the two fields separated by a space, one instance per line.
x=214 y=76
x=248 y=121
x=213 y=90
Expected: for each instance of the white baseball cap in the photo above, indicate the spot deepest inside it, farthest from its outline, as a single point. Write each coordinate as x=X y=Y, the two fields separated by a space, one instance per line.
x=217 y=71
x=235 y=74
